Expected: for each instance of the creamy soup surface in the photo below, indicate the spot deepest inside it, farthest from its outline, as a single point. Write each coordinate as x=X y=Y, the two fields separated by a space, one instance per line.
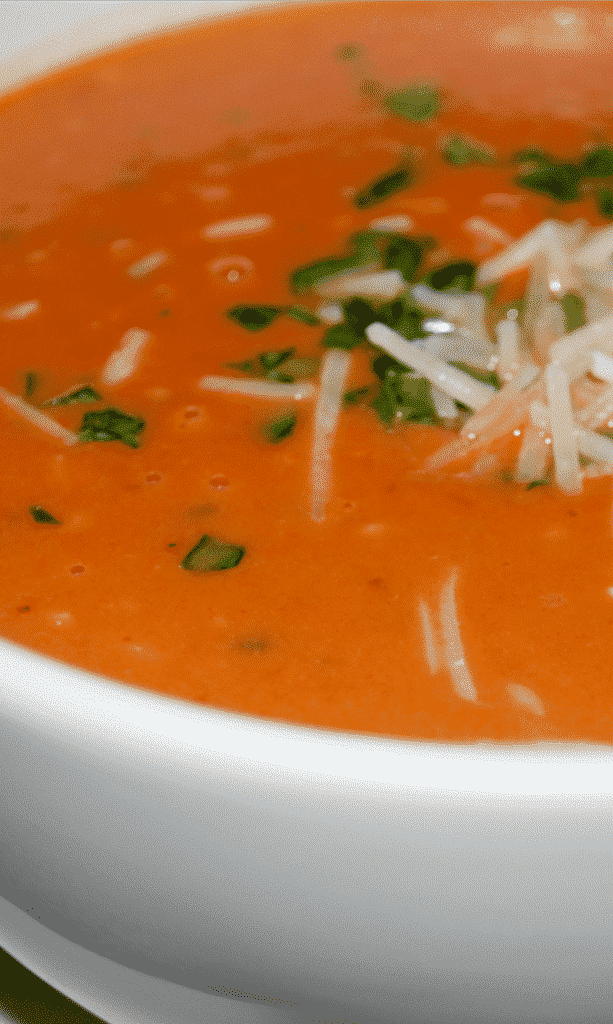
x=456 y=603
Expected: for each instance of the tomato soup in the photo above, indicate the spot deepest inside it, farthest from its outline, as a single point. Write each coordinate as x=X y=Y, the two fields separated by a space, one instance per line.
x=157 y=203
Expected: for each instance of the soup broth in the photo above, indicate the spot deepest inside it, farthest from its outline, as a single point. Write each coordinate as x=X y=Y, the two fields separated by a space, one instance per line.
x=153 y=191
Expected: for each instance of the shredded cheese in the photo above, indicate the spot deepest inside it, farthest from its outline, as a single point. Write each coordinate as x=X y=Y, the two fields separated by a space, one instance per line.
x=258 y=388
x=334 y=371
x=37 y=418
x=251 y=225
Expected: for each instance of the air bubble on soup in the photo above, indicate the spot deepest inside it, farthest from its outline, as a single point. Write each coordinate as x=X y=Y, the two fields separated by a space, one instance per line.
x=232 y=269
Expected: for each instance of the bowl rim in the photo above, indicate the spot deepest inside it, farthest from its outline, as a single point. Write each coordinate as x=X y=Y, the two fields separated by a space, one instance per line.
x=50 y=696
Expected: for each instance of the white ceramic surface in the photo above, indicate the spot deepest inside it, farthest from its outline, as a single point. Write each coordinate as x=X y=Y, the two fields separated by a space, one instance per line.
x=354 y=879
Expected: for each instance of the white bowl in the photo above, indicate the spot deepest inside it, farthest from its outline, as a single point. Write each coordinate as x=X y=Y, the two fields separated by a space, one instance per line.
x=327 y=876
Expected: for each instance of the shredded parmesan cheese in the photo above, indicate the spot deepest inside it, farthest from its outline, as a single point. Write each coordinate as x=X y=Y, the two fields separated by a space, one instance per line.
x=252 y=225
x=258 y=388
x=21 y=311
x=148 y=264
x=382 y=284
x=123 y=362
x=334 y=370
x=564 y=440
x=455 y=657
x=37 y=418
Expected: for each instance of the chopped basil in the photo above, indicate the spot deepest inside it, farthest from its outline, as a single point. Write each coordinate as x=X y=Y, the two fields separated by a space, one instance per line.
x=405 y=399
x=403 y=317
x=303 y=316
x=484 y=376
x=341 y=336
x=353 y=397
x=212 y=555
x=574 y=312
x=31 y=384
x=558 y=181
x=247 y=366
x=271 y=360
x=406 y=254
x=457 y=276
x=417 y=103
x=84 y=394
x=281 y=427
x=364 y=249
x=349 y=52
x=598 y=163
x=385 y=366
x=460 y=152
x=359 y=315
x=300 y=367
x=254 y=318
x=604 y=198
x=381 y=188
x=538 y=483
x=40 y=515
x=531 y=158
x=111 y=425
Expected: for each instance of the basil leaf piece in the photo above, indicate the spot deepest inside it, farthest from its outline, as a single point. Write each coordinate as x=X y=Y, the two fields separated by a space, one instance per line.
x=300 y=367
x=212 y=555
x=533 y=158
x=457 y=276
x=484 y=376
x=84 y=394
x=254 y=318
x=31 y=384
x=359 y=315
x=303 y=316
x=111 y=425
x=349 y=52
x=574 y=312
x=270 y=360
x=341 y=336
x=605 y=202
x=385 y=186
x=598 y=163
x=459 y=152
x=247 y=366
x=408 y=400
x=403 y=317
x=406 y=254
x=364 y=249
x=538 y=483
x=280 y=428
x=40 y=515
x=559 y=181
x=417 y=103
x=385 y=366
x=353 y=397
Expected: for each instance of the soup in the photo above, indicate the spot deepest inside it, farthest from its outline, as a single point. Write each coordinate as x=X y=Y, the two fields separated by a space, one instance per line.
x=225 y=484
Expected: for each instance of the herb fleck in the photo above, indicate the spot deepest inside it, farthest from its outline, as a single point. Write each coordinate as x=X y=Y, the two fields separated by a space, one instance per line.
x=598 y=163
x=111 y=425
x=254 y=318
x=281 y=427
x=31 y=384
x=460 y=152
x=364 y=250
x=406 y=254
x=354 y=397
x=40 y=515
x=84 y=394
x=417 y=103
x=538 y=483
x=349 y=52
x=387 y=185
x=457 y=276
x=303 y=316
x=212 y=555
x=557 y=180
x=604 y=198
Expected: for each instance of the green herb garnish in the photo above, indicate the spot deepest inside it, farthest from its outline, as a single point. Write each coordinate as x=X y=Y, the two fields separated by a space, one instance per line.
x=280 y=428
x=573 y=308
x=604 y=202
x=364 y=250
x=557 y=180
x=359 y=315
x=254 y=318
x=84 y=394
x=457 y=276
x=31 y=384
x=459 y=152
x=406 y=254
x=111 y=425
x=342 y=336
x=212 y=555
x=538 y=483
x=484 y=376
x=40 y=515
x=271 y=360
x=408 y=399
x=417 y=103
x=598 y=163
x=349 y=52
x=403 y=317
x=303 y=316
x=353 y=397
x=381 y=188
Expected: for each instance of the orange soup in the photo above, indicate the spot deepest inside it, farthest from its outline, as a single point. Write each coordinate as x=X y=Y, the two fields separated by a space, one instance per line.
x=225 y=479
